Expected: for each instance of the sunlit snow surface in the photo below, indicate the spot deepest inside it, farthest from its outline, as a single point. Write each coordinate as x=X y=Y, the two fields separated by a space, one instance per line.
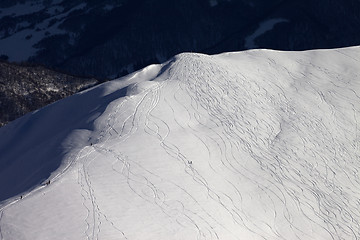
x=250 y=145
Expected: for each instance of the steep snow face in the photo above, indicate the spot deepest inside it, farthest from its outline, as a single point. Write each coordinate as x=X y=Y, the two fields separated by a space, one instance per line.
x=249 y=145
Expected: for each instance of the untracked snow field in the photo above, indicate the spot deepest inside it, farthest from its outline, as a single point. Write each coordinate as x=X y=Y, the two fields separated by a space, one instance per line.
x=251 y=145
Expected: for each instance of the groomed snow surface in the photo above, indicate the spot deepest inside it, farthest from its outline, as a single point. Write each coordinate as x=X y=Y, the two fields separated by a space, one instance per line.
x=250 y=145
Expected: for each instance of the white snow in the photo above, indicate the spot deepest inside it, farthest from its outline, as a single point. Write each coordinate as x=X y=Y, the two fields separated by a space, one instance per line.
x=21 y=9
x=18 y=48
x=213 y=3
x=108 y=7
x=263 y=28
x=160 y=57
x=250 y=145
x=23 y=24
x=55 y=10
x=55 y=2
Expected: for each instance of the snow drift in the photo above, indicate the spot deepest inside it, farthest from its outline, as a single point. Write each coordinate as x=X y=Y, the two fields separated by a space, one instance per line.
x=250 y=145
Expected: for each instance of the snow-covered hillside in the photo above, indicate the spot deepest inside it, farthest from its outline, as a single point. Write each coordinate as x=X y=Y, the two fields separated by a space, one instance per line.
x=250 y=145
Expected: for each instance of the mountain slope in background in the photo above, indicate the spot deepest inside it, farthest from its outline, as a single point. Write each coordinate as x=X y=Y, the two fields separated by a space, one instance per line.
x=27 y=88
x=250 y=145
x=114 y=37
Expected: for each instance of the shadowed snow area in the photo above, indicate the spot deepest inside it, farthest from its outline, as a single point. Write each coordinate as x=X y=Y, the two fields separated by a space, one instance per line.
x=251 y=145
x=263 y=28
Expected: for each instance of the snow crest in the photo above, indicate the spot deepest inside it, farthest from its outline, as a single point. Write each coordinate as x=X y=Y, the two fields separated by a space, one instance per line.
x=250 y=145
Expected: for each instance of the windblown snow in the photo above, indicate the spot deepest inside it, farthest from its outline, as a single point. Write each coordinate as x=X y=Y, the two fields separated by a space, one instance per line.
x=250 y=145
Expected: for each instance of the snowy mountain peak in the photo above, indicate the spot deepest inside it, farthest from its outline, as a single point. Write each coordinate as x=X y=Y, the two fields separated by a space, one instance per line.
x=248 y=145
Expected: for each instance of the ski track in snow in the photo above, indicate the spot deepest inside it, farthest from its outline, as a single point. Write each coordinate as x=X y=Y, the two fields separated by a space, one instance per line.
x=264 y=165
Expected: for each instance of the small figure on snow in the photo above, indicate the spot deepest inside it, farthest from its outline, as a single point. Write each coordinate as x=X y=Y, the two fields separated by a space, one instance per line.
x=48 y=182
x=190 y=162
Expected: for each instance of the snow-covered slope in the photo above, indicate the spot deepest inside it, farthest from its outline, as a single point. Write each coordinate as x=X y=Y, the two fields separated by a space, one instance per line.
x=250 y=145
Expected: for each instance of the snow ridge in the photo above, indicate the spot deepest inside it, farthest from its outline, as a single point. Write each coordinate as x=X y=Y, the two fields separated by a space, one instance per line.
x=250 y=145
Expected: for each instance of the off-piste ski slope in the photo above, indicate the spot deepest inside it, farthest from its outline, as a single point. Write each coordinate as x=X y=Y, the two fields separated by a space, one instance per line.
x=250 y=145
